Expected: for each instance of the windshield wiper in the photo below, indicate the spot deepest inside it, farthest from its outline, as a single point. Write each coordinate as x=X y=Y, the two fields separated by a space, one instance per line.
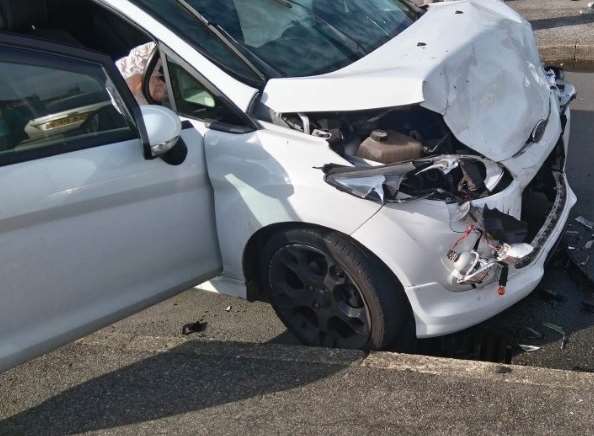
x=227 y=39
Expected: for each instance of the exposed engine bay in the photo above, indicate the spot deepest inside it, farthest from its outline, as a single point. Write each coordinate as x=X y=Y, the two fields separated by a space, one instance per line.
x=414 y=151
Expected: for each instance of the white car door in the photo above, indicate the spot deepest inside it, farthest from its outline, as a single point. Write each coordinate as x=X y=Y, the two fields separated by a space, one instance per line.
x=90 y=230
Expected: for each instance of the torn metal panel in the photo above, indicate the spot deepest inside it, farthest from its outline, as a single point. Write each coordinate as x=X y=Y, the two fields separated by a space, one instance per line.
x=378 y=184
x=406 y=181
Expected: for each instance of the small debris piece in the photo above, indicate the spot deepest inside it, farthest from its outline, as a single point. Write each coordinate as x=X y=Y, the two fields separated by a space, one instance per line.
x=421 y=44
x=585 y=222
x=570 y=248
x=589 y=244
x=503 y=369
x=194 y=327
x=535 y=334
x=554 y=327
x=559 y=330
x=529 y=348
x=228 y=308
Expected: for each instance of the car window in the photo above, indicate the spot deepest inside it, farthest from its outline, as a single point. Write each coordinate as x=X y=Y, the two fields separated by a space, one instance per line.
x=194 y=100
x=186 y=25
x=290 y=38
x=46 y=105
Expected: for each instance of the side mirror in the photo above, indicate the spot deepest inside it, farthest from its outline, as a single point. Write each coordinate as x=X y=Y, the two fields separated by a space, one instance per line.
x=163 y=128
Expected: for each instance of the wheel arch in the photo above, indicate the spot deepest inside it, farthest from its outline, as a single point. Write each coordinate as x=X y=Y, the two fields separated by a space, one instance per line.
x=258 y=240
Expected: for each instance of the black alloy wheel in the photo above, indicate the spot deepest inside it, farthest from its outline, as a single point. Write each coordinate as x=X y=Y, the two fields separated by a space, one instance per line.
x=317 y=298
x=331 y=292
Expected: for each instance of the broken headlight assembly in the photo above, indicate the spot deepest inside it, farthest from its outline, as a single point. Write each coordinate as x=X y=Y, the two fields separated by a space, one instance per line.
x=486 y=250
x=451 y=178
x=492 y=241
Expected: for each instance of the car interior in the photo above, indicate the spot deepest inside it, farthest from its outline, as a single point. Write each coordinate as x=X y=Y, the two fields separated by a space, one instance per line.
x=73 y=22
x=33 y=115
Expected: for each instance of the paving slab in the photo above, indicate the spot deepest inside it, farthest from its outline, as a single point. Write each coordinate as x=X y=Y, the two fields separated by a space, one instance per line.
x=564 y=30
x=135 y=385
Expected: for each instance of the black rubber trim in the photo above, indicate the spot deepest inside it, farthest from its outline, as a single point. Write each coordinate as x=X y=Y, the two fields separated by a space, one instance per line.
x=177 y=155
x=65 y=146
x=542 y=237
x=148 y=73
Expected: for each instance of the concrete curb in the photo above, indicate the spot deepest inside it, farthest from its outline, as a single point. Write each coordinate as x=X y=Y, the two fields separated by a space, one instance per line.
x=319 y=356
x=565 y=35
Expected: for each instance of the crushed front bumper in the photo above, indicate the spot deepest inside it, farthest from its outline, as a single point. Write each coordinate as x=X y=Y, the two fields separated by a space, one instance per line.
x=412 y=241
x=439 y=311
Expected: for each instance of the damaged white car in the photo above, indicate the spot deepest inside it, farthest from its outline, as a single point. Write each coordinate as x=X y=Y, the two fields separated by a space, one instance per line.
x=376 y=171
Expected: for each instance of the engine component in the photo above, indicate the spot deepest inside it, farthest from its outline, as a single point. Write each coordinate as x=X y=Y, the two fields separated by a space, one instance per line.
x=334 y=137
x=390 y=146
x=470 y=268
x=511 y=254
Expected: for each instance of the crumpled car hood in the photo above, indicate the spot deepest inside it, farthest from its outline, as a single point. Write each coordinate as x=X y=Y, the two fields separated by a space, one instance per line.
x=474 y=61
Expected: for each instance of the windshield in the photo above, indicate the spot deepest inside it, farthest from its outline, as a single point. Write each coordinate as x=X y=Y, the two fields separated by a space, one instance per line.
x=291 y=38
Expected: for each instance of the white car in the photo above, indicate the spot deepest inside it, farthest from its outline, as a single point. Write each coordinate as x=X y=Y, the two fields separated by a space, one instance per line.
x=378 y=172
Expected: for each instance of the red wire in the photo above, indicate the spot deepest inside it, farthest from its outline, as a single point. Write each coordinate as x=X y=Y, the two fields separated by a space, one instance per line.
x=466 y=234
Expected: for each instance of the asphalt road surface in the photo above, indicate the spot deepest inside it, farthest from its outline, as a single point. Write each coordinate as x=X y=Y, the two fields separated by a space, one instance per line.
x=54 y=387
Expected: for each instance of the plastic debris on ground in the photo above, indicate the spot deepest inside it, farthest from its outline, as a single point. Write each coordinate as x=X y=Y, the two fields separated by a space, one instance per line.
x=194 y=327
x=558 y=329
x=585 y=222
x=529 y=348
x=534 y=334
x=228 y=308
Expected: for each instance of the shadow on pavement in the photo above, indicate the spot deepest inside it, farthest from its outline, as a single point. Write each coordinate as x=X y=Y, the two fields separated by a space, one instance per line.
x=191 y=377
x=552 y=23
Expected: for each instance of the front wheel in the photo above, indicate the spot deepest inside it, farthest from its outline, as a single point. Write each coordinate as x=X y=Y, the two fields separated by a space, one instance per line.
x=330 y=292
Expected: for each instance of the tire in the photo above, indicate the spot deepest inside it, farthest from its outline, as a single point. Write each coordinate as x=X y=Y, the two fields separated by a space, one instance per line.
x=328 y=291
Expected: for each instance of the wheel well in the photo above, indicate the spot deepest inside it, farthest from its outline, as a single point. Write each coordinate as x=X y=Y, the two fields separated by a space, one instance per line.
x=258 y=240
x=251 y=257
